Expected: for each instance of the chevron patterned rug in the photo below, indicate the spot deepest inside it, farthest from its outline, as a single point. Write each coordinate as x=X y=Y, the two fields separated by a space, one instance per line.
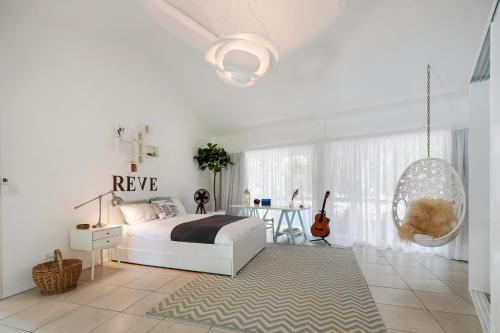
x=285 y=288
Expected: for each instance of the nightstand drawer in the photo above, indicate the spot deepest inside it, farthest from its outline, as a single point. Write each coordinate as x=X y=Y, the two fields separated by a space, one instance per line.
x=106 y=233
x=106 y=242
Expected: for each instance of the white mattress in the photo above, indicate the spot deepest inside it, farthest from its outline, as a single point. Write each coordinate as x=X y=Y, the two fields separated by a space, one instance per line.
x=159 y=230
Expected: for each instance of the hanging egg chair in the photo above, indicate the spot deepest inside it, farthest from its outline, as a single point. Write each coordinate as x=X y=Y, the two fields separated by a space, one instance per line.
x=430 y=178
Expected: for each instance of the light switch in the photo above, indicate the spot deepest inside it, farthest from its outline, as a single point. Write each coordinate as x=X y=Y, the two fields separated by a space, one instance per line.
x=5 y=187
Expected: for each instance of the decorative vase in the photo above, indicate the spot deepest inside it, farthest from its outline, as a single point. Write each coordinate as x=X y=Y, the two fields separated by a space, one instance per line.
x=246 y=198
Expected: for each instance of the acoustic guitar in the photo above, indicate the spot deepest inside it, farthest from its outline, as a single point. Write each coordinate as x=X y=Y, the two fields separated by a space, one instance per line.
x=320 y=226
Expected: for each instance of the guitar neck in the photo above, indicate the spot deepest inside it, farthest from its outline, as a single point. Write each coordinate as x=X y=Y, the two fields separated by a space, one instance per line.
x=324 y=203
x=323 y=207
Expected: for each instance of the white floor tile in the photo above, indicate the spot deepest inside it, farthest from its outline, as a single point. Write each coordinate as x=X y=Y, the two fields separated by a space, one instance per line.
x=127 y=323
x=409 y=319
x=377 y=269
x=84 y=293
x=455 y=323
x=99 y=272
x=461 y=287
x=147 y=303
x=151 y=281
x=403 y=262
x=366 y=251
x=127 y=267
x=451 y=275
x=369 y=259
x=82 y=320
x=176 y=283
x=413 y=272
x=119 y=277
x=430 y=285
x=445 y=303
x=384 y=280
x=7 y=329
x=17 y=303
x=38 y=315
x=398 y=297
x=119 y=299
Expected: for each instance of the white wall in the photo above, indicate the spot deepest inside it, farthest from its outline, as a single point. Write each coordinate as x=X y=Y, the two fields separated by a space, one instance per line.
x=495 y=177
x=63 y=93
x=479 y=187
x=396 y=116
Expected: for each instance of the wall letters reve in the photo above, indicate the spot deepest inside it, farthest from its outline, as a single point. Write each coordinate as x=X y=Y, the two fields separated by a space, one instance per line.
x=130 y=183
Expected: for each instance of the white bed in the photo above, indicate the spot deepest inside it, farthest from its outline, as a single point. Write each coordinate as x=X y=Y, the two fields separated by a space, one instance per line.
x=148 y=243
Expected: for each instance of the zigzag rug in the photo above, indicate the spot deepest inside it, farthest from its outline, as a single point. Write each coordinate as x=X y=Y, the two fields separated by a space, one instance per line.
x=285 y=288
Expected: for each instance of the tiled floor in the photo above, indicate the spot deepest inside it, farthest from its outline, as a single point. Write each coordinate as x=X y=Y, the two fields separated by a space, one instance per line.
x=414 y=293
x=419 y=293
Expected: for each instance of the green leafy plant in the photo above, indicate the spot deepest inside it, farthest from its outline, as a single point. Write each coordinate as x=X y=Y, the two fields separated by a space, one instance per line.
x=213 y=158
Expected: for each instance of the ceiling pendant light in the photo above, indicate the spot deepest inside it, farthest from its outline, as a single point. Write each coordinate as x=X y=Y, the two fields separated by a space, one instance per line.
x=258 y=54
x=243 y=58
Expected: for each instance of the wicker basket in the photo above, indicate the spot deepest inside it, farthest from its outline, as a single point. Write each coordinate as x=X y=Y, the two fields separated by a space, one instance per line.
x=57 y=276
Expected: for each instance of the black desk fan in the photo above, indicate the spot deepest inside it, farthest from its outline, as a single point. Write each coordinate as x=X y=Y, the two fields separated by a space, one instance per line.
x=201 y=197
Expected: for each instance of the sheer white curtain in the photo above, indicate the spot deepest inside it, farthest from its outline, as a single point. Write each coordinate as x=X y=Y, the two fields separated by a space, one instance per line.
x=362 y=173
x=275 y=173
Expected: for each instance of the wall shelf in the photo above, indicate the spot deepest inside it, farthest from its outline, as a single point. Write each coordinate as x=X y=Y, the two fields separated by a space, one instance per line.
x=135 y=147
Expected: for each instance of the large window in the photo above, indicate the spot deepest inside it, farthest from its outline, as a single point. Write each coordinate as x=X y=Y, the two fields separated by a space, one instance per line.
x=360 y=173
x=276 y=173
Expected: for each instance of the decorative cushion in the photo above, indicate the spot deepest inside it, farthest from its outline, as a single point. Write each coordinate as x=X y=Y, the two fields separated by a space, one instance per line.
x=167 y=207
x=137 y=213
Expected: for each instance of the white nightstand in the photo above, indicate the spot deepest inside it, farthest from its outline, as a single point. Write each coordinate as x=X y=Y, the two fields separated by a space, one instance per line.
x=94 y=239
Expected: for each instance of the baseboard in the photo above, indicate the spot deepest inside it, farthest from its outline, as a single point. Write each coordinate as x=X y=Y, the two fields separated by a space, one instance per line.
x=482 y=308
x=12 y=292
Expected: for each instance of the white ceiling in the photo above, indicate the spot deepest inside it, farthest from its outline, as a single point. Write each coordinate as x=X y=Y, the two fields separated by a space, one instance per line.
x=334 y=55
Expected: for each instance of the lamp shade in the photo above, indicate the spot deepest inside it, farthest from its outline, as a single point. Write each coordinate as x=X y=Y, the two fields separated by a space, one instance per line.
x=237 y=74
x=116 y=200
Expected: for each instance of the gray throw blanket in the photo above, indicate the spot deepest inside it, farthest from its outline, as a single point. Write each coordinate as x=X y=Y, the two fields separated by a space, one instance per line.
x=202 y=231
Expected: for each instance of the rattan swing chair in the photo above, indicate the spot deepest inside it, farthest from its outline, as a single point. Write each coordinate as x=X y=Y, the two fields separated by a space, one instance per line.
x=432 y=178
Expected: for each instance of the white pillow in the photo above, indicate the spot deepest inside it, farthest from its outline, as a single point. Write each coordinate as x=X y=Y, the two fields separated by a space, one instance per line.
x=137 y=213
x=168 y=207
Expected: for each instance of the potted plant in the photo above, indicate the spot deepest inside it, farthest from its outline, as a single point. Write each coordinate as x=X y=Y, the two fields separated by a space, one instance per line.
x=213 y=158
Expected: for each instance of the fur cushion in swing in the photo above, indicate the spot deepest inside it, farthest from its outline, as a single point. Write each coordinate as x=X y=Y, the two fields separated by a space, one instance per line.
x=432 y=217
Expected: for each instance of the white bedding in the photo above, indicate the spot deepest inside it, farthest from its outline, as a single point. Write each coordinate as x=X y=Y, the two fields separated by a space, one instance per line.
x=161 y=229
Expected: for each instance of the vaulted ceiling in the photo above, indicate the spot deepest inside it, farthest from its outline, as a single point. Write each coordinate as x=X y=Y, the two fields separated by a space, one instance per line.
x=335 y=55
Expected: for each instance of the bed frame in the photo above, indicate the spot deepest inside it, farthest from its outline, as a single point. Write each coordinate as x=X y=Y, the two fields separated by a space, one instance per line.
x=209 y=258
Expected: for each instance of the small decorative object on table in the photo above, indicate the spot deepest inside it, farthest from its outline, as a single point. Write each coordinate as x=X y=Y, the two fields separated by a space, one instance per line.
x=294 y=195
x=57 y=276
x=265 y=202
x=256 y=202
x=201 y=197
x=83 y=226
x=246 y=197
